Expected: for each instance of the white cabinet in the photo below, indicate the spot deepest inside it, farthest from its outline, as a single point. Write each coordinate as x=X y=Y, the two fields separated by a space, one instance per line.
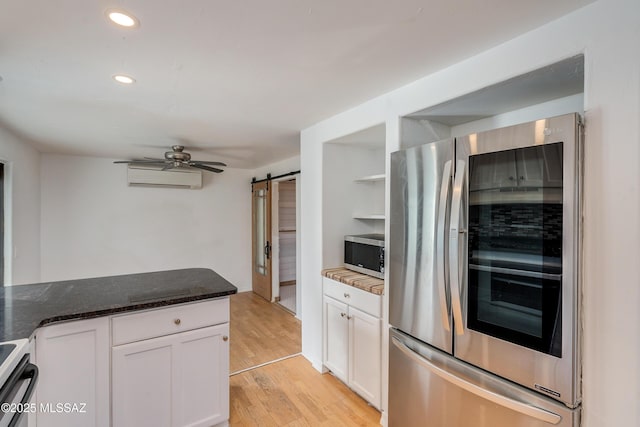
x=352 y=338
x=73 y=360
x=336 y=346
x=161 y=367
x=174 y=380
x=365 y=355
x=170 y=367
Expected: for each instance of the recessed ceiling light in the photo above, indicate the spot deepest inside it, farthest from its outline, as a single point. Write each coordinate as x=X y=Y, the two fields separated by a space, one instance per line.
x=122 y=18
x=121 y=78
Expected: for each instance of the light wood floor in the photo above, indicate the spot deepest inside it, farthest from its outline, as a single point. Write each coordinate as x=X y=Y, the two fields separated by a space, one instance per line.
x=289 y=392
x=260 y=332
x=292 y=393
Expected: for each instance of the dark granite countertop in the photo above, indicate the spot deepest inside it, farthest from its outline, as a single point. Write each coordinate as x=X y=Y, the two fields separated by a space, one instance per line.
x=27 y=307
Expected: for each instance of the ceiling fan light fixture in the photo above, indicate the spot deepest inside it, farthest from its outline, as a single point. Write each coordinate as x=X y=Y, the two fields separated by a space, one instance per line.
x=177 y=158
x=122 y=18
x=124 y=79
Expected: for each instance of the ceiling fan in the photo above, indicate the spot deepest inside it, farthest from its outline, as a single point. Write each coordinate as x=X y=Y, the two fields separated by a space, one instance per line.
x=177 y=158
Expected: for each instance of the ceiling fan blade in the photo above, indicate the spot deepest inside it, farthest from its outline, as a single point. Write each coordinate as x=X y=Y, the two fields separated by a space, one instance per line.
x=140 y=161
x=206 y=168
x=156 y=159
x=207 y=163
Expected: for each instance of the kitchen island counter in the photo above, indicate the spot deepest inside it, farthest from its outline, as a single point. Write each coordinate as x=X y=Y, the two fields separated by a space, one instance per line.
x=28 y=307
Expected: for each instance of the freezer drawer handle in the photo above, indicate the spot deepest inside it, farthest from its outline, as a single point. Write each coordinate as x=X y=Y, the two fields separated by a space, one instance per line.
x=498 y=399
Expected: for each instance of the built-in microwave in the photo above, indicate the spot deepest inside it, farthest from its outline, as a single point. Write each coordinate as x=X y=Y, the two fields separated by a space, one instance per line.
x=364 y=253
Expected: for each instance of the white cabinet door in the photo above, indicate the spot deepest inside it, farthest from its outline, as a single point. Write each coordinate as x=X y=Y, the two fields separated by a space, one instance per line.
x=365 y=355
x=201 y=394
x=141 y=383
x=176 y=380
x=336 y=338
x=73 y=359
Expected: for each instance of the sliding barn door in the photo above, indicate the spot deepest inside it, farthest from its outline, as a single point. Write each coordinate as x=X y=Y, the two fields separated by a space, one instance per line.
x=261 y=258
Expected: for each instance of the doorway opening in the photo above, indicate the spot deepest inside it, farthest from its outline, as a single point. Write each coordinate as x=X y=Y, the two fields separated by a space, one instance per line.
x=285 y=244
x=275 y=237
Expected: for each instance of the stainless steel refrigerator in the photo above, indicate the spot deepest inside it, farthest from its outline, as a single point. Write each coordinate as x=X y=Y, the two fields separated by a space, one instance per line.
x=483 y=279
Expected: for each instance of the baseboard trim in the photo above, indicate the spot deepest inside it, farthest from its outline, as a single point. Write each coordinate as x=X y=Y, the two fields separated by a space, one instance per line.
x=384 y=419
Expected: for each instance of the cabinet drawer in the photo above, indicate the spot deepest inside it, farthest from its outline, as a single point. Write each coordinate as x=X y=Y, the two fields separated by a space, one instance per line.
x=362 y=300
x=168 y=320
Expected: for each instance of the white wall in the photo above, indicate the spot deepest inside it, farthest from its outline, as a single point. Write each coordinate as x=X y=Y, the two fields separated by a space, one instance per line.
x=284 y=166
x=608 y=34
x=343 y=197
x=556 y=107
x=93 y=224
x=22 y=210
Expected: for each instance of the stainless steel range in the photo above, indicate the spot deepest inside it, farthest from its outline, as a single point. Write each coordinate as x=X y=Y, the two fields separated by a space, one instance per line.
x=18 y=378
x=483 y=265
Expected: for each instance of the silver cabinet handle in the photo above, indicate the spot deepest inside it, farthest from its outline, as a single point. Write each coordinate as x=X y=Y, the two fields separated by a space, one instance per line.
x=225 y=338
x=346 y=295
x=440 y=245
x=454 y=242
x=349 y=317
x=478 y=390
x=177 y=321
x=343 y=314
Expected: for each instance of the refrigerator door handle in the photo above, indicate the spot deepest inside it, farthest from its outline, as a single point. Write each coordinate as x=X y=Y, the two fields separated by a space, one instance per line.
x=440 y=241
x=454 y=242
x=478 y=390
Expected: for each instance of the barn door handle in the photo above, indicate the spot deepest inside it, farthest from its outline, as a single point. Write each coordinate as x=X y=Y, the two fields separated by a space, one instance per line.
x=267 y=250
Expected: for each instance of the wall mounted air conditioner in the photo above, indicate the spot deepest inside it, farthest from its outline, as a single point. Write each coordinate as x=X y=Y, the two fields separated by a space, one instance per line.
x=138 y=175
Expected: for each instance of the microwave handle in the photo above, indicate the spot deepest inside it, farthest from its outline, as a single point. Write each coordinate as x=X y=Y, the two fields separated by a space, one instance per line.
x=440 y=245
x=454 y=245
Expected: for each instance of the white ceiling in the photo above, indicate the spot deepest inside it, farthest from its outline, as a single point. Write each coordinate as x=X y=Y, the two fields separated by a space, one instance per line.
x=232 y=80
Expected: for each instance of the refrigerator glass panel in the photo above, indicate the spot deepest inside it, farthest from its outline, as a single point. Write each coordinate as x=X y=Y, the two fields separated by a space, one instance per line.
x=519 y=309
x=515 y=246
